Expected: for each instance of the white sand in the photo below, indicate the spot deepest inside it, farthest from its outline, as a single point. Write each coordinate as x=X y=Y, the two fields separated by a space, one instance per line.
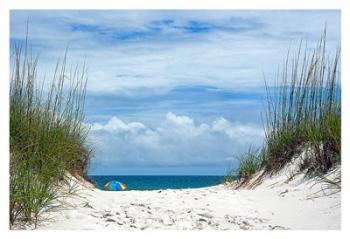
x=274 y=204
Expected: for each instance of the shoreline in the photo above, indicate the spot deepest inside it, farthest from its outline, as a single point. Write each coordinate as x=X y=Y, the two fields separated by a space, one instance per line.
x=159 y=182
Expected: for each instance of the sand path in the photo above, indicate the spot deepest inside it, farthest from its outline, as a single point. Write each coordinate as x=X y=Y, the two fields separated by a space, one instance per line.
x=275 y=204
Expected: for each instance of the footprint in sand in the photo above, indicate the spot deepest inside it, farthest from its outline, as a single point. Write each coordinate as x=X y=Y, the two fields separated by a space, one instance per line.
x=206 y=215
x=105 y=215
x=277 y=227
x=110 y=220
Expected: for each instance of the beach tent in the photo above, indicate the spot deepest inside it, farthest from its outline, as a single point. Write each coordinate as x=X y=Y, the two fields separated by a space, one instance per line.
x=115 y=186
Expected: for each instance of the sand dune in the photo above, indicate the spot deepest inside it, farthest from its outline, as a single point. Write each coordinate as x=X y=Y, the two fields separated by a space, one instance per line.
x=276 y=203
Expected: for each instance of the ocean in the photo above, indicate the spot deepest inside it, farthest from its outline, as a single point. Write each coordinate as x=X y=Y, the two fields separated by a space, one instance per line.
x=156 y=182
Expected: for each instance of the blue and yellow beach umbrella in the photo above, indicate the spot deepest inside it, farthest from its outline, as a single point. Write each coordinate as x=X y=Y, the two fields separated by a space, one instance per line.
x=115 y=186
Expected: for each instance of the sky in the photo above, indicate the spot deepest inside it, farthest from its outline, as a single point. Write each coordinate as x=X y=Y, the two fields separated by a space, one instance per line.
x=172 y=92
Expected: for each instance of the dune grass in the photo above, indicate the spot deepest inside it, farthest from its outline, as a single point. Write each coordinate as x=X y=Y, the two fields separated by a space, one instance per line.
x=248 y=163
x=303 y=112
x=47 y=137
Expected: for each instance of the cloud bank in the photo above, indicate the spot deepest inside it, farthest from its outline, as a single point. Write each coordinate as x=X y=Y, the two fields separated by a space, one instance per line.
x=178 y=141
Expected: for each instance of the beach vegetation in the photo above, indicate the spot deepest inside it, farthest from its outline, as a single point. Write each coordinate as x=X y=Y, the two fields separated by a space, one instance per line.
x=302 y=113
x=47 y=136
x=230 y=176
x=248 y=163
x=304 y=110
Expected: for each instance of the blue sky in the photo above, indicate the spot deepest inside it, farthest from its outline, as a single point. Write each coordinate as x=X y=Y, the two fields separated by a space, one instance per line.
x=172 y=92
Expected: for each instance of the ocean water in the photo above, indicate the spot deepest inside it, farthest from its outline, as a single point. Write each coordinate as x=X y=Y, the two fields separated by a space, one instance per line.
x=160 y=182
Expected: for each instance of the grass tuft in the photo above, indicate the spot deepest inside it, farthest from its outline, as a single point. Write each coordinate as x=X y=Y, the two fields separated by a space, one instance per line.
x=249 y=164
x=304 y=109
x=47 y=137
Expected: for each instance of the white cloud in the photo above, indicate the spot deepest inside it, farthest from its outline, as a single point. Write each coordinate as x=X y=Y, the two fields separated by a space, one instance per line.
x=224 y=59
x=182 y=125
x=118 y=126
x=177 y=141
x=244 y=132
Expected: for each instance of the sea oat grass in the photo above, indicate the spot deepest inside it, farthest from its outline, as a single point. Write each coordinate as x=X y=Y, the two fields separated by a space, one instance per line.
x=47 y=137
x=303 y=112
x=304 y=108
x=248 y=164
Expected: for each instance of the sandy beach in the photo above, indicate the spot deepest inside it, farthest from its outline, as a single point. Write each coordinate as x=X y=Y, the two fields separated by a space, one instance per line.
x=276 y=203
x=206 y=118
